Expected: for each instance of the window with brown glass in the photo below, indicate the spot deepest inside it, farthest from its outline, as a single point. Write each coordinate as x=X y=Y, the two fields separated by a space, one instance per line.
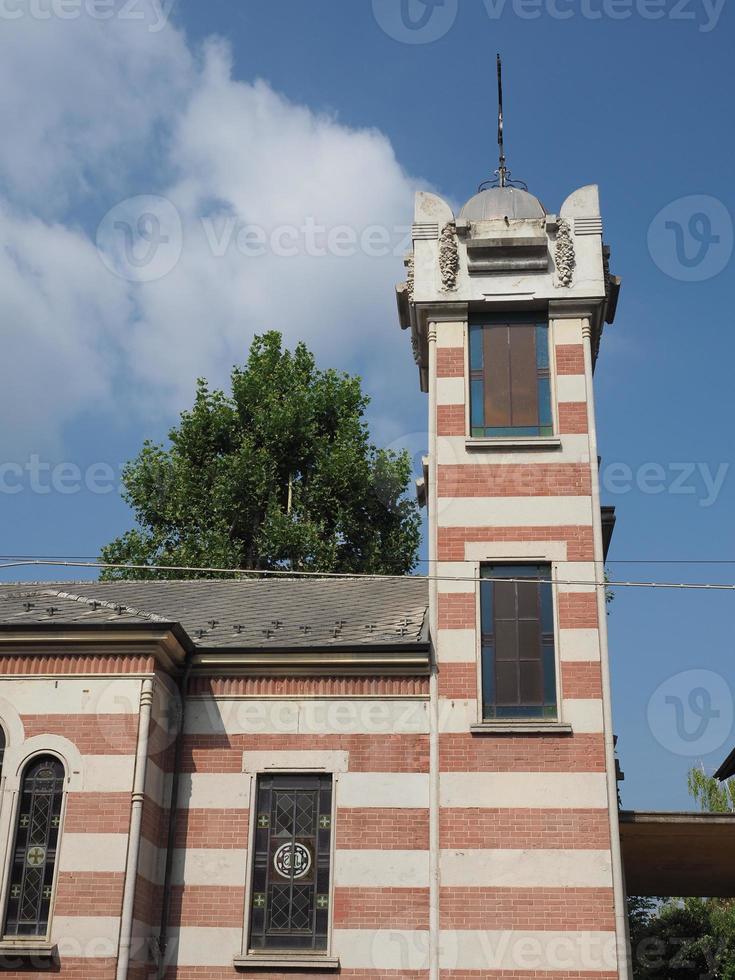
x=517 y=626
x=510 y=383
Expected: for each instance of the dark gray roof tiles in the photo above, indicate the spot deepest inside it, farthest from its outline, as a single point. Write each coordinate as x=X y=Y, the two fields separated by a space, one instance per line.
x=236 y=614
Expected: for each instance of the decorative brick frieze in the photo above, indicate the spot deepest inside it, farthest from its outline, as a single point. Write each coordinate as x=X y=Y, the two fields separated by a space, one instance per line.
x=316 y=687
x=84 y=664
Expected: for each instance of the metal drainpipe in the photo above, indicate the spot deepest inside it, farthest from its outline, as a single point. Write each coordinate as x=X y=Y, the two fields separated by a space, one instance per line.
x=621 y=918
x=434 y=799
x=171 y=836
x=136 y=821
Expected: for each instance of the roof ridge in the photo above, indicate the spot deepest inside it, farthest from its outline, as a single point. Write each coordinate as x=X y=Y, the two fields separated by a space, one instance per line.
x=115 y=606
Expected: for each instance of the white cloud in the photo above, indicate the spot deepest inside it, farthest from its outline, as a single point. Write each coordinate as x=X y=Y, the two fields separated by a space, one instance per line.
x=228 y=154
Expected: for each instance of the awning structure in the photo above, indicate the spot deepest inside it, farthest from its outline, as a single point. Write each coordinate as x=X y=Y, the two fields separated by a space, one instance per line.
x=687 y=854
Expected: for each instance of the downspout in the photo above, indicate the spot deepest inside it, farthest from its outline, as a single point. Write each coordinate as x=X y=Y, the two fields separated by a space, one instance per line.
x=621 y=918
x=136 y=821
x=173 y=812
x=434 y=798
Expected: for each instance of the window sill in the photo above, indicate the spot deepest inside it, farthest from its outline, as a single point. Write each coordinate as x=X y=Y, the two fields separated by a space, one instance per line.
x=512 y=442
x=285 y=961
x=521 y=728
x=28 y=949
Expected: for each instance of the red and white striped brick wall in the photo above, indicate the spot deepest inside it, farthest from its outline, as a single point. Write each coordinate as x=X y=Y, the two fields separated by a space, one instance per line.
x=526 y=866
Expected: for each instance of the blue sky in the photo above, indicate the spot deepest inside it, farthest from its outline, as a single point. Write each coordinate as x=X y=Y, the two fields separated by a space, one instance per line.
x=271 y=114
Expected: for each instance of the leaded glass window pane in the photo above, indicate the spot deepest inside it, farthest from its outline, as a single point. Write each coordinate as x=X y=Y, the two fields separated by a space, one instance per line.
x=35 y=848
x=291 y=865
x=518 y=658
x=510 y=379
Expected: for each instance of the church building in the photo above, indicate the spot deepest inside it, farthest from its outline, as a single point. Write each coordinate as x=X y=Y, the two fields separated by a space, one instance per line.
x=408 y=778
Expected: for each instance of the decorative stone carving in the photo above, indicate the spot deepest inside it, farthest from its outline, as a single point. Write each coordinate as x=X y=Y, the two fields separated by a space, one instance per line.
x=410 y=267
x=564 y=254
x=448 y=256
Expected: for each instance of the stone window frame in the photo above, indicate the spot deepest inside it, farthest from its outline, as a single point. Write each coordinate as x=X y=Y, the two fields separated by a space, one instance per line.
x=295 y=762
x=19 y=754
x=519 y=553
x=506 y=443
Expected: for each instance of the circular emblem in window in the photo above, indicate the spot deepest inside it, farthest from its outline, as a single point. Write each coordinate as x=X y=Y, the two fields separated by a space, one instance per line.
x=35 y=856
x=292 y=860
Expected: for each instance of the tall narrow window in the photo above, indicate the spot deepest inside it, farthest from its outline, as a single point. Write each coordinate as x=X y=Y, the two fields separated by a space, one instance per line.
x=2 y=749
x=518 y=664
x=35 y=847
x=290 y=901
x=510 y=386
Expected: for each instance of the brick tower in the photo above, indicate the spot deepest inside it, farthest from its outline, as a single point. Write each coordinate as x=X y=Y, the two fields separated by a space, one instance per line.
x=505 y=304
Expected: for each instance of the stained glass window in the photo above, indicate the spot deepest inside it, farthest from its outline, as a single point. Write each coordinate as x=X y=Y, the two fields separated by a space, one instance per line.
x=510 y=381
x=518 y=660
x=34 y=852
x=293 y=828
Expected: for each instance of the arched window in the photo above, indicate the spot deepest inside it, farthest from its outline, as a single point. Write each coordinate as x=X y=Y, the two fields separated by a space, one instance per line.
x=35 y=847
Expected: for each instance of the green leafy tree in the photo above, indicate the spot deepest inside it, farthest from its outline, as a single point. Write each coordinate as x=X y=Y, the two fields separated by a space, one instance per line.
x=687 y=938
x=278 y=474
x=711 y=795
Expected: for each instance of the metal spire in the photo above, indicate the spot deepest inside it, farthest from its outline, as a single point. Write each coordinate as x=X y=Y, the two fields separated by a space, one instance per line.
x=502 y=177
x=502 y=169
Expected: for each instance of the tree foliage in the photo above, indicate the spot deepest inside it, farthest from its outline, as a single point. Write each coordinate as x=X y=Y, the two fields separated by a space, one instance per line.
x=687 y=938
x=278 y=474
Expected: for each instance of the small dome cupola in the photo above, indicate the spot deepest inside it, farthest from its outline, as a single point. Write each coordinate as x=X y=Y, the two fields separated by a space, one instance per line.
x=502 y=202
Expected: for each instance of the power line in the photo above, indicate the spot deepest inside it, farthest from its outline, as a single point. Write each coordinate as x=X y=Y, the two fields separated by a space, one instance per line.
x=427 y=561
x=700 y=586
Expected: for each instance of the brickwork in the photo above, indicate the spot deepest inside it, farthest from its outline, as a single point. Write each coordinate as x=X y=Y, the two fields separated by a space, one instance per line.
x=544 y=909
x=572 y=417
x=383 y=828
x=450 y=362
x=524 y=829
x=569 y=359
x=381 y=908
x=514 y=480
x=450 y=420
x=578 y=539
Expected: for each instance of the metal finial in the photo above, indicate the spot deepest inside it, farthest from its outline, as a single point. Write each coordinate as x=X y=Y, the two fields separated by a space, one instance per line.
x=502 y=169
x=502 y=177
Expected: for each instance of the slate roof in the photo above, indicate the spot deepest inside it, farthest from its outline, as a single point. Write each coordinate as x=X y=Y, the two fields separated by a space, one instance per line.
x=243 y=614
